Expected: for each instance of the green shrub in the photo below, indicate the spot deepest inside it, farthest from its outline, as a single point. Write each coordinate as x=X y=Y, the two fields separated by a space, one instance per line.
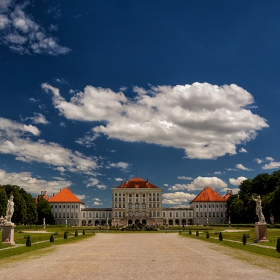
x=278 y=245
x=76 y=233
x=65 y=235
x=220 y=236
x=244 y=239
x=51 y=238
x=190 y=232
x=84 y=232
x=28 y=241
x=207 y=234
x=197 y=233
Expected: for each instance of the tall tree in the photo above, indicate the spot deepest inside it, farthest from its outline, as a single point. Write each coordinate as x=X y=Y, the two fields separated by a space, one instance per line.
x=31 y=209
x=3 y=202
x=44 y=211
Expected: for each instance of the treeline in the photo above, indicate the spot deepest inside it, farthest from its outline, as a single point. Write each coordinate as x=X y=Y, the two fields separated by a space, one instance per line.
x=242 y=208
x=26 y=211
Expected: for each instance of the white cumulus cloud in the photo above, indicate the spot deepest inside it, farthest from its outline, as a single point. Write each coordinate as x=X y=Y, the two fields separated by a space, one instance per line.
x=20 y=32
x=177 y=198
x=199 y=183
x=205 y=120
x=242 y=167
x=237 y=181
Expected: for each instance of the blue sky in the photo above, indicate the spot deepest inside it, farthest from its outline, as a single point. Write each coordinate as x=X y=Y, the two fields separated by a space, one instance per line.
x=185 y=94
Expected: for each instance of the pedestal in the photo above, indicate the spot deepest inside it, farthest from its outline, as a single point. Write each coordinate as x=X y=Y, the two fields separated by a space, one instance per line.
x=8 y=234
x=261 y=232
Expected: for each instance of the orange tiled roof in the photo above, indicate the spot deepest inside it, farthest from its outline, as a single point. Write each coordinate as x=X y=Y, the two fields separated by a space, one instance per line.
x=137 y=183
x=226 y=196
x=65 y=195
x=208 y=195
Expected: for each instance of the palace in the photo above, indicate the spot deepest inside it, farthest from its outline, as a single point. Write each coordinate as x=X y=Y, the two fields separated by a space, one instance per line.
x=139 y=201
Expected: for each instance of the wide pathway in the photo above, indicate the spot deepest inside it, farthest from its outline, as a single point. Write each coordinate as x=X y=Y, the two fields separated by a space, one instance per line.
x=141 y=256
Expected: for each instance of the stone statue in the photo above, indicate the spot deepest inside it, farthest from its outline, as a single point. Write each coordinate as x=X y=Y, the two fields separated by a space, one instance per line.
x=10 y=210
x=259 y=209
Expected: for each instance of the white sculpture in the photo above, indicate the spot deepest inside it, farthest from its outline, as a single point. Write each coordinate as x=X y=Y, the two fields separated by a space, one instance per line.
x=259 y=209
x=10 y=210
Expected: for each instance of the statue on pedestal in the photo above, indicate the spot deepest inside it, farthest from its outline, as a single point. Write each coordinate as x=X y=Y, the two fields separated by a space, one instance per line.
x=9 y=210
x=259 y=212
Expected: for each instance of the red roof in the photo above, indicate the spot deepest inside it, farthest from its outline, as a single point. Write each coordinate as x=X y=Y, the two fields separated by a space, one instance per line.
x=208 y=195
x=226 y=196
x=137 y=183
x=65 y=195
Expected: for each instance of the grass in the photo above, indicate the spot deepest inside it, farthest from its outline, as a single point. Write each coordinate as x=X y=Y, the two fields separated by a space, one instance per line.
x=234 y=240
x=43 y=238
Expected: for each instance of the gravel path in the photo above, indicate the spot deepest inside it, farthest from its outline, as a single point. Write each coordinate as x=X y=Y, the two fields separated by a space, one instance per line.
x=139 y=256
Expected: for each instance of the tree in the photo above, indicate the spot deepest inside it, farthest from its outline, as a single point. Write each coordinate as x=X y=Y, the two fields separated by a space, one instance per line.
x=220 y=236
x=28 y=241
x=51 y=238
x=76 y=233
x=31 y=209
x=207 y=234
x=278 y=245
x=235 y=209
x=44 y=211
x=197 y=233
x=3 y=202
x=65 y=236
x=244 y=239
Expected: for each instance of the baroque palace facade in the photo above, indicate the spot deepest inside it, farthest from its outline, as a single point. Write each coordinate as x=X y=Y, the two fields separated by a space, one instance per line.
x=139 y=201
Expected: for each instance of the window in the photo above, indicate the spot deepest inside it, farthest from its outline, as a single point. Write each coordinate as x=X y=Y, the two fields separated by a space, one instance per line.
x=137 y=195
x=116 y=199
x=120 y=206
x=116 y=206
x=201 y=214
x=157 y=198
x=143 y=206
x=123 y=206
x=55 y=206
x=129 y=206
x=200 y=205
x=63 y=205
x=76 y=206
x=217 y=205
x=103 y=214
x=150 y=205
x=123 y=198
x=190 y=214
x=120 y=214
x=154 y=199
x=144 y=195
x=116 y=214
x=205 y=214
x=209 y=214
x=154 y=194
x=222 y=214
x=130 y=195
x=177 y=214
x=59 y=206
x=51 y=206
x=120 y=194
x=136 y=206
x=120 y=199
x=123 y=194
x=209 y=205
x=96 y=215
x=71 y=215
x=205 y=206
x=157 y=194
x=184 y=214
x=213 y=214
x=213 y=205
x=218 y=214
x=90 y=214
x=196 y=206
x=157 y=214
x=68 y=206
x=163 y=214
x=123 y=215
x=197 y=214
x=116 y=194
x=170 y=214
x=76 y=215
x=72 y=206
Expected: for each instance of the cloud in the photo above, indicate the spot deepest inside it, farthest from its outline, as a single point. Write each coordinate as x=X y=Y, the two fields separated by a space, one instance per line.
x=91 y=182
x=259 y=161
x=177 y=198
x=101 y=187
x=166 y=185
x=32 y=184
x=271 y=165
x=97 y=203
x=269 y=158
x=242 y=150
x=242 y=167
x=199 y=183
x=119 y=179
x=122 y=165
x=218 y=173
x=184 y=178
x=14 y=141
x=88 y=140
x=237 y=181
x=82 y=196
x=21 y=34
x=213 y=119
x=37 y=119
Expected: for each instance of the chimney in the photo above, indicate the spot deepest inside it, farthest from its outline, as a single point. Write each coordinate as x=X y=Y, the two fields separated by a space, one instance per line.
x=53 y=194
x=227 y=191
x=230 y=192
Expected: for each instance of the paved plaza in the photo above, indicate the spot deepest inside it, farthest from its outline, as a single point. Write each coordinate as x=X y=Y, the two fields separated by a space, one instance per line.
x=142 y=256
